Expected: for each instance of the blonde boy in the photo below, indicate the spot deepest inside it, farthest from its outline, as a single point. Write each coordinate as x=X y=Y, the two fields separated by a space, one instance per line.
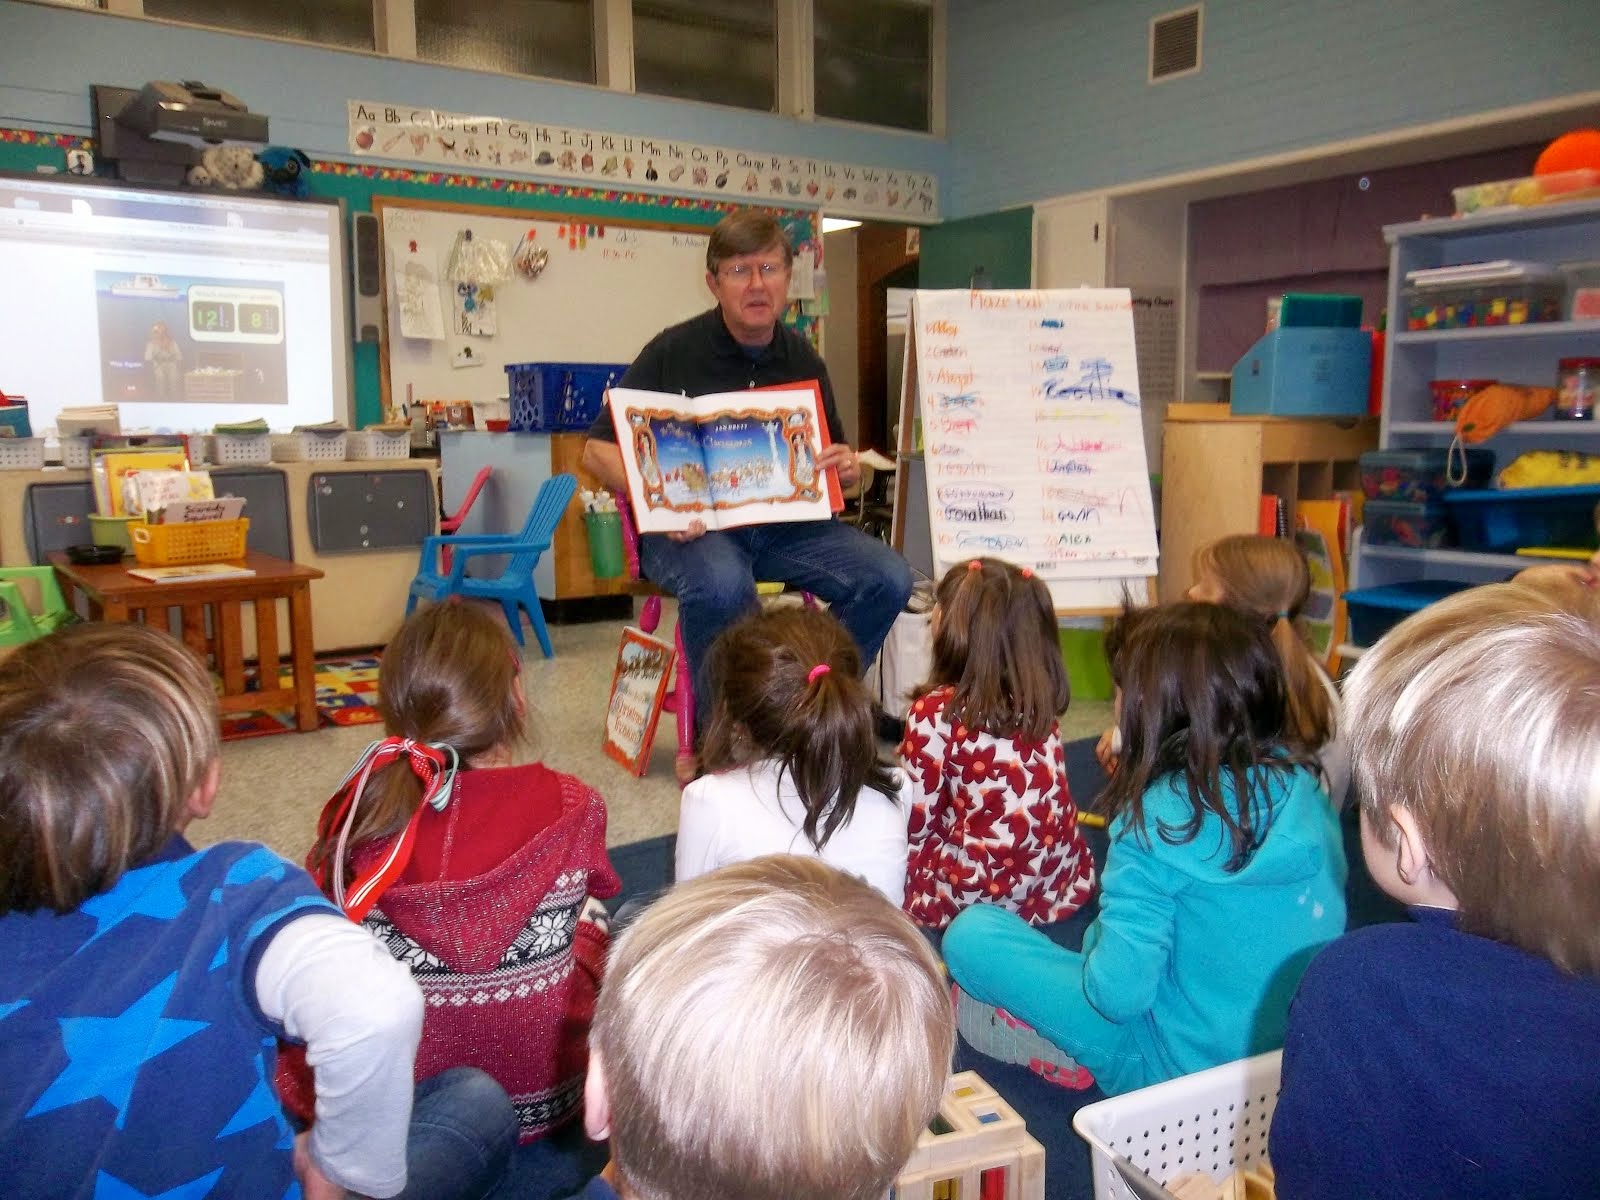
x=772 y=1029
x=1455 y=1056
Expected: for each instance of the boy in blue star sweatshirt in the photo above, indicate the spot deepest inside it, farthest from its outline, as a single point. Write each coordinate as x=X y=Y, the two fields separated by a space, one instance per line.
x=146 y=982
x=1455 y=1056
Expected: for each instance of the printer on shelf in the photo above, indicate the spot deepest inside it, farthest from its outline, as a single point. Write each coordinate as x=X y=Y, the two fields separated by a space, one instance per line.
x=1316 y=363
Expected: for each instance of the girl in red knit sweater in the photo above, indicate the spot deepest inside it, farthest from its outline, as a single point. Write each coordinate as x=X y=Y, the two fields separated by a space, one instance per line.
x=991 y=817
x=479 y=875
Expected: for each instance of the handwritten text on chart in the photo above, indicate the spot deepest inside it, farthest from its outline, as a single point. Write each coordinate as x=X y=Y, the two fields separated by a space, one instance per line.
x=958 y=493
x=961 y=400
x=979 y=513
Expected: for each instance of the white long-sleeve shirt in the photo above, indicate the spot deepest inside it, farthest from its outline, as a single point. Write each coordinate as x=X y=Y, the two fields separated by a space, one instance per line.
x=746 y=812
x=331 y=985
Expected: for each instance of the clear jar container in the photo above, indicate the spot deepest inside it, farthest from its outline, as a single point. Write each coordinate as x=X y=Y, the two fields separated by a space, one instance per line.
x=1577 y=389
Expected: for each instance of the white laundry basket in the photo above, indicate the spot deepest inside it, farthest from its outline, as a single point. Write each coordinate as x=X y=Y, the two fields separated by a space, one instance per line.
x=1213 y=1121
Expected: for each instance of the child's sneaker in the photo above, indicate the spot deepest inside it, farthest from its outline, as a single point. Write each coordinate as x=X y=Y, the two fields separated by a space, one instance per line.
x=996 y=1033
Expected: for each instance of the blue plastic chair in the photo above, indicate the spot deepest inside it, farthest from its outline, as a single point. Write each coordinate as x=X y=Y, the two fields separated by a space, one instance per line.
x=514 y=586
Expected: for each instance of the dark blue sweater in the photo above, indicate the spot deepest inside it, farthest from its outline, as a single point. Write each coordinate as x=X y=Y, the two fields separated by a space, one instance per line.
x=1423 y=1061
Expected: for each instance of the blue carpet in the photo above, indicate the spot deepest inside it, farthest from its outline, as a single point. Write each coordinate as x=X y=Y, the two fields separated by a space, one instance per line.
x=646 y=869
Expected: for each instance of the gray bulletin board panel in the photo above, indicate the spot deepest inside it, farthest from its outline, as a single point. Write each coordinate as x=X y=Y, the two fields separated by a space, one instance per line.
x=606 y=290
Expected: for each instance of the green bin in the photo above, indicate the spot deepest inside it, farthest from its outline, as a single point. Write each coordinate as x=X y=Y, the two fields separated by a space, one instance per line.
x=605 y=544
x=1084 y=653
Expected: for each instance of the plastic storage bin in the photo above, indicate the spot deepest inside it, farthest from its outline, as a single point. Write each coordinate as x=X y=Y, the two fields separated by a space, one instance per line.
x=1505 y=520
x=1419 y=476
x=1402 y=523
x=22 y=454
x=548 y=396
x=1529 y=190
x=1468 y=305
x=190 y=542
x=75 y=452
x=241 y=449
x=1376 y=610
x=1213 y=1121
x=378 y=443
x=309 y=445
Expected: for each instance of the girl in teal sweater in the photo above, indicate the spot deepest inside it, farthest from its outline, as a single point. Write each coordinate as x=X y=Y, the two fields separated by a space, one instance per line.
x=1225 y=875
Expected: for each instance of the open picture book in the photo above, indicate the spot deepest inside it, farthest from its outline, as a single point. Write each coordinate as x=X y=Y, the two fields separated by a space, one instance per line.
x=727 y=459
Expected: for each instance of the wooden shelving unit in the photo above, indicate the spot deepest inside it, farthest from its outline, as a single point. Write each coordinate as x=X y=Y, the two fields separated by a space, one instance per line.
x=1215 y=468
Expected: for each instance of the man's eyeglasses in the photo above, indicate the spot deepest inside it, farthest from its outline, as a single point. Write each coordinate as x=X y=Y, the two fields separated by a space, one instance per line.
x=741 y=272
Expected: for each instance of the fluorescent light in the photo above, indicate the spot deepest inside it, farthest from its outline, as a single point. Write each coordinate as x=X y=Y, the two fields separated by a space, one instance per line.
x=835 y=224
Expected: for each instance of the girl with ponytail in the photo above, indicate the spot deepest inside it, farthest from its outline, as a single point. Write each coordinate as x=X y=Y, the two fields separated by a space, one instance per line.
x=790 y=757
x=1266 y=577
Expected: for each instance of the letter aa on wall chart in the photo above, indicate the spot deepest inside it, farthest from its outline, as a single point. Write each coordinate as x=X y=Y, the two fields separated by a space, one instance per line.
x=1031 y=431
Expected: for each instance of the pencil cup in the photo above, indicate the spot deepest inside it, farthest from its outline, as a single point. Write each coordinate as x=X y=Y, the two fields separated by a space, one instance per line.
x=605 y=544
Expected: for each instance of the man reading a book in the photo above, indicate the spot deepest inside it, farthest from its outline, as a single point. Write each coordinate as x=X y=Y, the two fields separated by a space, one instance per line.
x=742 y=343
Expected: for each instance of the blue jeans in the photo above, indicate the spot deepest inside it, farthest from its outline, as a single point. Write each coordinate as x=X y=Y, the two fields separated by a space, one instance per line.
x=864 y=582
x=463 y=1130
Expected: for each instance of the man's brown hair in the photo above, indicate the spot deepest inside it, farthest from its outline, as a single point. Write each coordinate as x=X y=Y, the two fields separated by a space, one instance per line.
x=106 y=731
x=746 y=231
x=1480 y=715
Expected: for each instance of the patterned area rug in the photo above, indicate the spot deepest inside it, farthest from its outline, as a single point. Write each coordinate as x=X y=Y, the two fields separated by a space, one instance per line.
x=347 y=691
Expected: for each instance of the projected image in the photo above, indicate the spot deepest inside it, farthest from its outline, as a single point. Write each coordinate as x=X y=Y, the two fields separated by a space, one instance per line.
x=176 y=338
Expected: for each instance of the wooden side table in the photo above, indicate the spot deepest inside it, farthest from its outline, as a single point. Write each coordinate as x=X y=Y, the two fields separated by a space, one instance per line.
x=115 y=595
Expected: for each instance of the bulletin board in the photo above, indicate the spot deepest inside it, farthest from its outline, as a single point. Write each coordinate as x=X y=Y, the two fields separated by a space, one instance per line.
x=603 y=291
x=1031 y=440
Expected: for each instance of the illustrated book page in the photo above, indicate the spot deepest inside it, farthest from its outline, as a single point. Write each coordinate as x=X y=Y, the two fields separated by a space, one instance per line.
x=727 y=459
x=638 y=691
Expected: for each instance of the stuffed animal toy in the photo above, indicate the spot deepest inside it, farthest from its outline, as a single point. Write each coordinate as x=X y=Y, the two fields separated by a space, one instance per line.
x=286 y=171
x=232 y=167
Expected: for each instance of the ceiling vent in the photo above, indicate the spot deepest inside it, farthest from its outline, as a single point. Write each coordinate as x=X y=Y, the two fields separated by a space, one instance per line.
x=1175 y=44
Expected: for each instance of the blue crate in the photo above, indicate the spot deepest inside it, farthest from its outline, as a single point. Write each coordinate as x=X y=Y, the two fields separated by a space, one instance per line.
x=1502 y=521
x=1376 y=610
x=554 y=396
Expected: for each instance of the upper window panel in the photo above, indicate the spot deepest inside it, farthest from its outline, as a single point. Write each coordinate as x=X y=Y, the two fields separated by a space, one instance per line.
x=346 y=23
x=553 y=38
x=722 y=51
x=873 y=61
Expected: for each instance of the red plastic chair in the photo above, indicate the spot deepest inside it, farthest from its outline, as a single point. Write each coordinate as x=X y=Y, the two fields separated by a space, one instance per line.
x=452 y=523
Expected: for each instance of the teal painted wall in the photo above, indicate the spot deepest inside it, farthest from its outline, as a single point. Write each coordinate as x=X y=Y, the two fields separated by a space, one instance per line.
x=1001 y=243
x=1048 y=97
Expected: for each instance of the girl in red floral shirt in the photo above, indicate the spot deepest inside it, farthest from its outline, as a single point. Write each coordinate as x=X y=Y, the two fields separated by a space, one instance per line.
x=992 y=819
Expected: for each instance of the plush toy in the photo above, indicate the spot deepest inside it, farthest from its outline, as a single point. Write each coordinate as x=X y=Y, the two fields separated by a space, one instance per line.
x=286 y=171
x=232 y=167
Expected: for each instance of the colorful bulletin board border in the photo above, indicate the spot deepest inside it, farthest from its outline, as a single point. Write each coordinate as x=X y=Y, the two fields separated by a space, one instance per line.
x=671 y=165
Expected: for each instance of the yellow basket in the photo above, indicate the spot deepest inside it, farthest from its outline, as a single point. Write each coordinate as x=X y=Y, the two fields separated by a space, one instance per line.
x=194 y=542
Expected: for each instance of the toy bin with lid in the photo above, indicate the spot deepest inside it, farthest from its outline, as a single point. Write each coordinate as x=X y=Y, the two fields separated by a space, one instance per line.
x=1376 y=610
x=1403 y=523
x=1419 y=476
x=1503 y=520
x=551 y=395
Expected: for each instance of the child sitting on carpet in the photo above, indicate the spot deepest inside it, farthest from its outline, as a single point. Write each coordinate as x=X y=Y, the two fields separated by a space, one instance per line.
x=991 y=817
x=146 y=980
x=1267 y=577
x=1224 y=875
x=477 y=874
x=772 y=1029
x=1454 y=1055
x=791 y=756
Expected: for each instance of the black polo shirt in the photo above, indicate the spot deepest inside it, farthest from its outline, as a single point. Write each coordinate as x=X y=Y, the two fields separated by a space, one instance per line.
x=700 y=356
